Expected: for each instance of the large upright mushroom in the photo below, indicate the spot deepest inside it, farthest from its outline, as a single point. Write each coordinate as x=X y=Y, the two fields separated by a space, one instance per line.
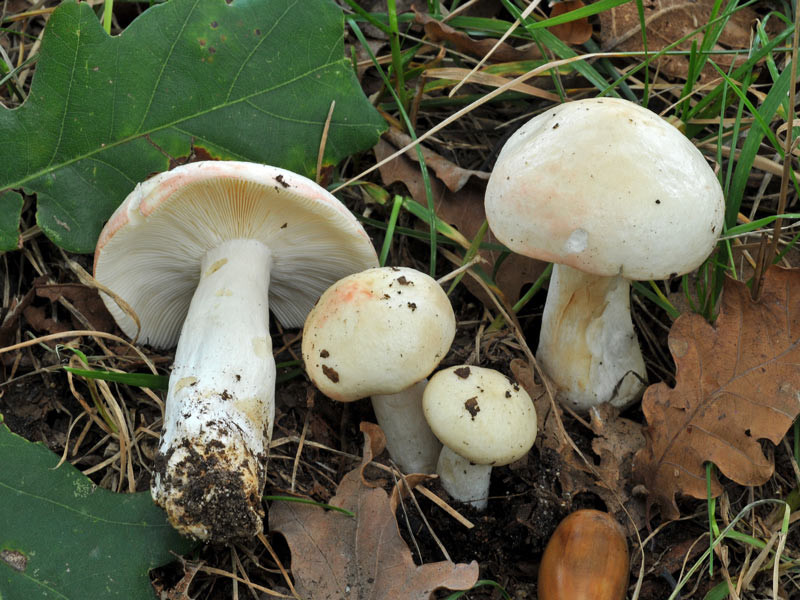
x=201 y=253
x=609 y=192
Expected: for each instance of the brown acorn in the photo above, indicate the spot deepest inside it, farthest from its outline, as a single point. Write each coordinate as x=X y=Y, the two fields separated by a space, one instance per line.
x=585 y=559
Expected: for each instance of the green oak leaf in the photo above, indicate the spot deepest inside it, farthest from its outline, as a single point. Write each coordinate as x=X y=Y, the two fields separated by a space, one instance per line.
x=10 y=211
x=251 y=80
x=62 y=537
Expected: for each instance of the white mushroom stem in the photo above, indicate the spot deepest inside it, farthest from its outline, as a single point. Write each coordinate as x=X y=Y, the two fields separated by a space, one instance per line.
x=463 y=480
x=210 y=470
x=409 y=439
x=587 y=343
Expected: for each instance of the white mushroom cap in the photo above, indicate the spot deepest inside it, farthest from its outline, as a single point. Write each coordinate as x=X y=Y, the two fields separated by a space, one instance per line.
x=377 y=332
x=150 y=251
x=608 y=187
x=480 y=414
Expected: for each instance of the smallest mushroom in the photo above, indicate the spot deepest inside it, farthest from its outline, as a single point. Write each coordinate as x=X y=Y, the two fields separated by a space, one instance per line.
x=483 y=419
x=380 y=333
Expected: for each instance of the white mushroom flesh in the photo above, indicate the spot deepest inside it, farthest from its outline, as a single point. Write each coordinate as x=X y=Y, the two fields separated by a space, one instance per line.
x=207 y=249
x=463 y=480
x=409 y=440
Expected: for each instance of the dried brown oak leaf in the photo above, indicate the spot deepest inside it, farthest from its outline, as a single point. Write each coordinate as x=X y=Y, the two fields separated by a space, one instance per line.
x=336 y=556
x=436 y=31
x=736 y=383
x=578 y=31
x=669 y=20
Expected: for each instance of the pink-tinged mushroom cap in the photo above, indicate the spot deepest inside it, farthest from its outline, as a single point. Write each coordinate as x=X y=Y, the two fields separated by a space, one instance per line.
x=379 y=331
x=607 y=187
x=150 y=251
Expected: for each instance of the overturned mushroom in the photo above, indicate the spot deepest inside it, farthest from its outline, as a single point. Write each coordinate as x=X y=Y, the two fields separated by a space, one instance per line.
x=379 y=333
x=201 y=253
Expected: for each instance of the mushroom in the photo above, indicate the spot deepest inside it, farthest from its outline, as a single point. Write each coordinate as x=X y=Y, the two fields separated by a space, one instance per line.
x=484 y=420
x=380 y=333
x=200 y=253
x=609 y=192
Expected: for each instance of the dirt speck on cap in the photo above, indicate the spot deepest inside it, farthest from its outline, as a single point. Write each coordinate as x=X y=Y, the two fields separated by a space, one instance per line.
x=330 y=373
x=462 y=372
x=472 y=407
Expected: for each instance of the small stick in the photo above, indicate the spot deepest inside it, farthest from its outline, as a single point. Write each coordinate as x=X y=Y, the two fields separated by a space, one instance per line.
x=310 y=402
x=524 y=15
x=323 y=141
x=475 y=259
x=445 y=506
x=286 y=577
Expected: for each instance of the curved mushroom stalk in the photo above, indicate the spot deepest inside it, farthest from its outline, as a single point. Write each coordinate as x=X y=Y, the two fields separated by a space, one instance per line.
x=211 y=464
x=587 y=343
x=409 y=440
x=464 y=480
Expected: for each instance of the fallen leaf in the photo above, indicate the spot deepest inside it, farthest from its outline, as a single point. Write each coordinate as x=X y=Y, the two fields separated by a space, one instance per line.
x=578 y=31
x=464 y=210
x=616 y=443
x=374 y=444
x=453 y=176
x=338 y=556
x=10 y=322
x=669 y=20
x=437 y=31
x=737 y=382
x=41 y=323
x=85 y=299
x=403 y=490
x=64 y=537
x=10 y=211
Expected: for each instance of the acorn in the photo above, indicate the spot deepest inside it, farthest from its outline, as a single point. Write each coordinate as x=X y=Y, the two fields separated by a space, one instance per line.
x=585 y=559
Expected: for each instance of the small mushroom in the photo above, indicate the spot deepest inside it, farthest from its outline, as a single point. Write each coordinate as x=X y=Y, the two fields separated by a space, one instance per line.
x=610 y=192
x=380 y=333
x=484 y=420
x=201 y=253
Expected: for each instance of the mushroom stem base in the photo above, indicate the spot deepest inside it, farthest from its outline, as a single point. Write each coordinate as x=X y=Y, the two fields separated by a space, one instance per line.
x=587 y=343
x=211 y=465
x=465 y=481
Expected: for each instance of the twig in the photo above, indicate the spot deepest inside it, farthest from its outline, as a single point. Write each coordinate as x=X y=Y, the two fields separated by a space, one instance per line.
x=324 y=140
